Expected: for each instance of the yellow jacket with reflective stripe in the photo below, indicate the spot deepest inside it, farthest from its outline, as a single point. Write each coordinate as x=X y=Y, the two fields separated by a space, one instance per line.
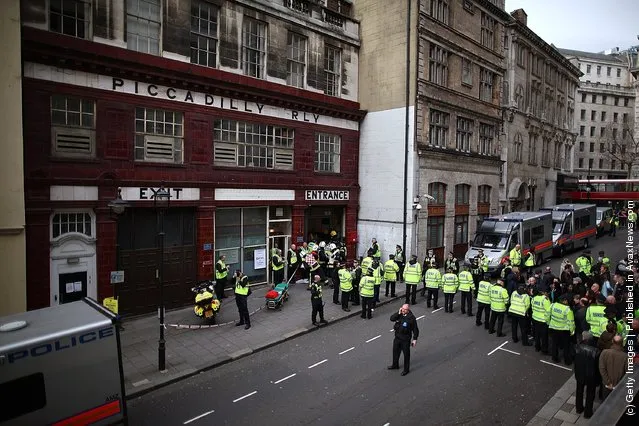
x=561 y=318
x=596 y=319
x=450 y=282
x=483 y=292
x=498 y=298
x=390 y=270
x=515 y=257
x=412 y=273
x=519 y=303
x=221 y=275
x=367 y=286
x=541 y=308
x=466 y=282
x=433 y=278
x=345 y=280
x=377 y=274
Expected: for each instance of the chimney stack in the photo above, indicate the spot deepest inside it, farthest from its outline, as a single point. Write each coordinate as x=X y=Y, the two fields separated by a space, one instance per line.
x=521 y=16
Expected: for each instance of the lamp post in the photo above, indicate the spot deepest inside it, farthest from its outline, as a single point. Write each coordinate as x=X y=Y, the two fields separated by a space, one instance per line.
x=117 y=208
x=161 y=201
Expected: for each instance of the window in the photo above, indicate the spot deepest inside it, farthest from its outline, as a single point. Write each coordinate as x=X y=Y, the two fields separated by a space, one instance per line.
x=464 y=134
x=333 y=70
x=435 y=225
x=438 y=129
x=602 y=147
x=567 y=157
x=545 y=152
x=461 y=229
x=439 y=10
x=158 y=135
x=618 y=72
x=253 y=47
x=204 y=34
x=593 y=115
x=296 y=60
x=487 y=30
x=70 y=17
x=519 y=98
x=598 y=69
x=592 y=147
x=604 y=99
x=486 y=138
x=615 y=116
x=616 y=100
x=532 y=148
x=485 y=85
x=583 y=97
x=582 y=130
x=590 y=163
x=582 y=146
x=327 y=153
x=581 y=163
x=438 y=65
x=608 y=71
x=557 y=155
x=462 y=194
x=592 y=131
x=613 y=164
x=594 y=99
x=438 y=191
x=518 y=144
x=244 y=144
x=583 y=114
x=625 y=117
x=483 y=193
x=614 y=134
x=601 y=166
x=587 y=69
x=64 y=223
x=143 y=22
x=73 y=126
x=467 y=71
x=603 y=115
x=521 y=55
x=625 y=102
x=22 y=395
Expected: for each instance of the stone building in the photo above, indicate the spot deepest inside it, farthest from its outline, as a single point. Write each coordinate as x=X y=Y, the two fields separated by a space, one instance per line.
x=605 y=107
x=454 y=121
x=245 y=111
x=539 y=105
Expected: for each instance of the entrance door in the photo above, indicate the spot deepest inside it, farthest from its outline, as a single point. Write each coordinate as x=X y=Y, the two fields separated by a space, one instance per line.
x=277 y=242
x=321 y=220
x=72 y=286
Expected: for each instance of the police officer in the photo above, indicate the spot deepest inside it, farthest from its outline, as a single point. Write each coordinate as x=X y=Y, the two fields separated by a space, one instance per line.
x=529 y=263
x=483 y=302
x=293 y=259
x=356 y=274
x=450 y=282
x=477 y=272
x=515 y=256
x=376 y=252
x=221 y=277
x=399 y=259
x=277 y=265
x=498 y=301
x=561 y=326
x=585 y=263
x=391 y=269
x=406 y=334
x=429 y=260
x=540 y=317
x=378 y=275
x=614 y=224
x=519 y=305
x=367 y=262
x=451 y=263
x=367 y=293
x=466 y=286
x=316 y=300
x=433 y=281
x=412 y=277
x=346 y=285
x=242 y=291
x=596 y=318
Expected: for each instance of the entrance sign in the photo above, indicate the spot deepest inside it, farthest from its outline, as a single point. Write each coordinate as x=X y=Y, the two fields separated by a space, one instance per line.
x=313 y=195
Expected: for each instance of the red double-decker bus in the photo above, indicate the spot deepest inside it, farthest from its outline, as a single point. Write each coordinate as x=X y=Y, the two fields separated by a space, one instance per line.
x=603 y=191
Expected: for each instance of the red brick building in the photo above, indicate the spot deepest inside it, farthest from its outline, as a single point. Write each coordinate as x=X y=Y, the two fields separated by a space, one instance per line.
x=248 y=115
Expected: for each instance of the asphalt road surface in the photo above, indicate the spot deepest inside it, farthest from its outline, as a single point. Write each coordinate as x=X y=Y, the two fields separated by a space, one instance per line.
x=337 y=376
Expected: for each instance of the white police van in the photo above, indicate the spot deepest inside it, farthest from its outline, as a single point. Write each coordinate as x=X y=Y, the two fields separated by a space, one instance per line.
x=61 y=366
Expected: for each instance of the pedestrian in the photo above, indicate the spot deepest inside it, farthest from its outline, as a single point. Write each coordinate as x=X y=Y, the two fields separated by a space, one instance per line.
x=561 y=326
x=277 y=265
x=391 y=269
x=346 y=285
x=612 y=365
x=399 y=259
x=356 y=273
x=367 y=293
x=412 y=277
x=406 y=334
x=433 y=282
x=242 y=292
x=483 y=303
x=466 y=287
x=317 y=304
x=580 y=308
x=605 y=340
x=498 y=301
x=450 y=283
x=586 y=374
x=540 y=317
x=519 y=305
x=293 y=260
x=221 y=277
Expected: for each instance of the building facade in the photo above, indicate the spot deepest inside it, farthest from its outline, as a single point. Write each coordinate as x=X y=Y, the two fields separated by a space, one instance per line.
x=539 y=106
x=604 y=113
x=246 y=111
x=13 y=291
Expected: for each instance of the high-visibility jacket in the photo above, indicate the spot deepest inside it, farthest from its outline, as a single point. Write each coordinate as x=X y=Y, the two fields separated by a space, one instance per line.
x=530 y=260
x=515 y=257
x=450 y=282
x=498 y=298
x=412 y=273
x=221 y=275
x=606 y=261
x=433 y=278
x=377 y=274
x=561 y=318
x=293 y=256
x=367 y=286
x=399 y=256
x=242 y=290
x=390 y=270
x=345 y=280
x=378 y=252
x=614 y=220
x=367 y=262
x=485 y=261
x=279 y=260
x=541 y=308
x=483 y=292
x=519 y=303
x=632 y=216
x=596 y=319
x=585 y=264
x=466 y=282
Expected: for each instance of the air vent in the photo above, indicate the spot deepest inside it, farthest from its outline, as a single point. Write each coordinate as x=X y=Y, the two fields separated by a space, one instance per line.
x=225 y=154
x=159 y=148
x=73 y=141
x=283 y=159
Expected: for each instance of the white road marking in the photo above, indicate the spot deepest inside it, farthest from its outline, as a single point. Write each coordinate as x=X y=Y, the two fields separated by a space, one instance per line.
x=437 y=310
x=317 y=363
x=387 y=424
x=497 y=348
x=507 y=350
x=245 y=396
x=556 y=365
x=391 y=330
x=198 y=417
x=374 y=338
x=347 y=350
x=285 y=378
x=418 y=319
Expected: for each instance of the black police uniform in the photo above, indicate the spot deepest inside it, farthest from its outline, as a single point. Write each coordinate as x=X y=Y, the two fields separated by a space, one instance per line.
x=405 y=330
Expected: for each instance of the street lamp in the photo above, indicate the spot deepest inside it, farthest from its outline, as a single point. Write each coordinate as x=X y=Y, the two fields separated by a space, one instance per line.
x=117 y=208
x=161 y=201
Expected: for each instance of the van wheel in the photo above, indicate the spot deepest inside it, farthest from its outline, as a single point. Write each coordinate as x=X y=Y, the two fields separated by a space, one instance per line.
x=586 y=244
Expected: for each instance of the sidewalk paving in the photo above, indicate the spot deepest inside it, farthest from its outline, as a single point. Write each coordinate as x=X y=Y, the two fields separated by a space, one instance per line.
x=560 y=409
x=189 y=351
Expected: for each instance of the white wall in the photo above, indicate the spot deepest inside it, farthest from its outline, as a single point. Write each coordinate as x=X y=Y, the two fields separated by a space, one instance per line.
x=381 y=177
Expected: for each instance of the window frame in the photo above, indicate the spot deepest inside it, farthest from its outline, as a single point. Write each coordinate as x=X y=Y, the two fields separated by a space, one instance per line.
x=518 y=147
x=462 y=194
x=461 y=237
x=488 y=25
x=438 y=191
x=72 y=133
x=148 y=22
x=440 y=10
x=292 y=62
x=486 y=82
x=464 y=134
x=144 y=138
x=439 y=126
x=486 y=138
x=333 y=72
x=438 y=65
x=467 y=72
x=87 y=18
x=76 y=212
x=335 y=158
x=197 y=35
x=249 y=52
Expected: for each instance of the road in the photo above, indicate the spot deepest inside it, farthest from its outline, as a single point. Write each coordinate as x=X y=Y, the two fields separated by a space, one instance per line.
x=337 y=375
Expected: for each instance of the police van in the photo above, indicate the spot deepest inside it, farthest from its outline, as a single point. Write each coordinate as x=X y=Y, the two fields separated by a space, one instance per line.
x=497 y=235
x=574 y=226
x=61 y=366
x=604 y=214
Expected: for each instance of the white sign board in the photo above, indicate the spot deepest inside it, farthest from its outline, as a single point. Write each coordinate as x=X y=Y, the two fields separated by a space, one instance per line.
x=232 y=256
x=117 y=277
x=317 y=195
x=259 y=258
x=148 y=194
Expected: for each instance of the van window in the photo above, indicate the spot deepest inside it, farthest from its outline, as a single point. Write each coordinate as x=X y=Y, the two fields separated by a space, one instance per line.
x=599 y=215
x=527 y=237
x=537 y=233
x=583 y=222
x=22 y=396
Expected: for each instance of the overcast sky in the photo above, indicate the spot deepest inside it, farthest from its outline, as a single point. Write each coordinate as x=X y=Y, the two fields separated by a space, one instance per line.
x=588 y=25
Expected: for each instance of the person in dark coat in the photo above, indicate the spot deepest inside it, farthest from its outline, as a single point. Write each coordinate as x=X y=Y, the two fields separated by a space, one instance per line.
x=547 y=278
x=586 y=374
x=580 y=308
x=513 y=280
x=406 y=334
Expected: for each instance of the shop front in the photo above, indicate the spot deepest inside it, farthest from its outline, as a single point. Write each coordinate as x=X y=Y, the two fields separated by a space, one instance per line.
x=330 y=215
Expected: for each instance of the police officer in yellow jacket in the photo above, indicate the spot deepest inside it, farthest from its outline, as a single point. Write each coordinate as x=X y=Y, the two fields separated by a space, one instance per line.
x=433 y=282
x=585 y=263
x=515 y=256
x=391 y=269
x=540 y=318
x=498 y=302
x=367 y=293
x=346 y=285
x=561 y=326
x=596 y=318
x=519 y=305
x=450 y=282
x=466 y=287
x=221 y=276
x=483 y=302
x=412 y=277
x=242 y=291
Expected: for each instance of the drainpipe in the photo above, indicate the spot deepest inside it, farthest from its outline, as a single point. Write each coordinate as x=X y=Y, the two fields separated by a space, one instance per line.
x=408 y=14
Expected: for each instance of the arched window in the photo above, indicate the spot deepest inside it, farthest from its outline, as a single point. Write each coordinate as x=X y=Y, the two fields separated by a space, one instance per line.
x=483 y=194
x=438 y=191
x=518 y=145
x=462 y=194
x=519 y=98
x=71 y=222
